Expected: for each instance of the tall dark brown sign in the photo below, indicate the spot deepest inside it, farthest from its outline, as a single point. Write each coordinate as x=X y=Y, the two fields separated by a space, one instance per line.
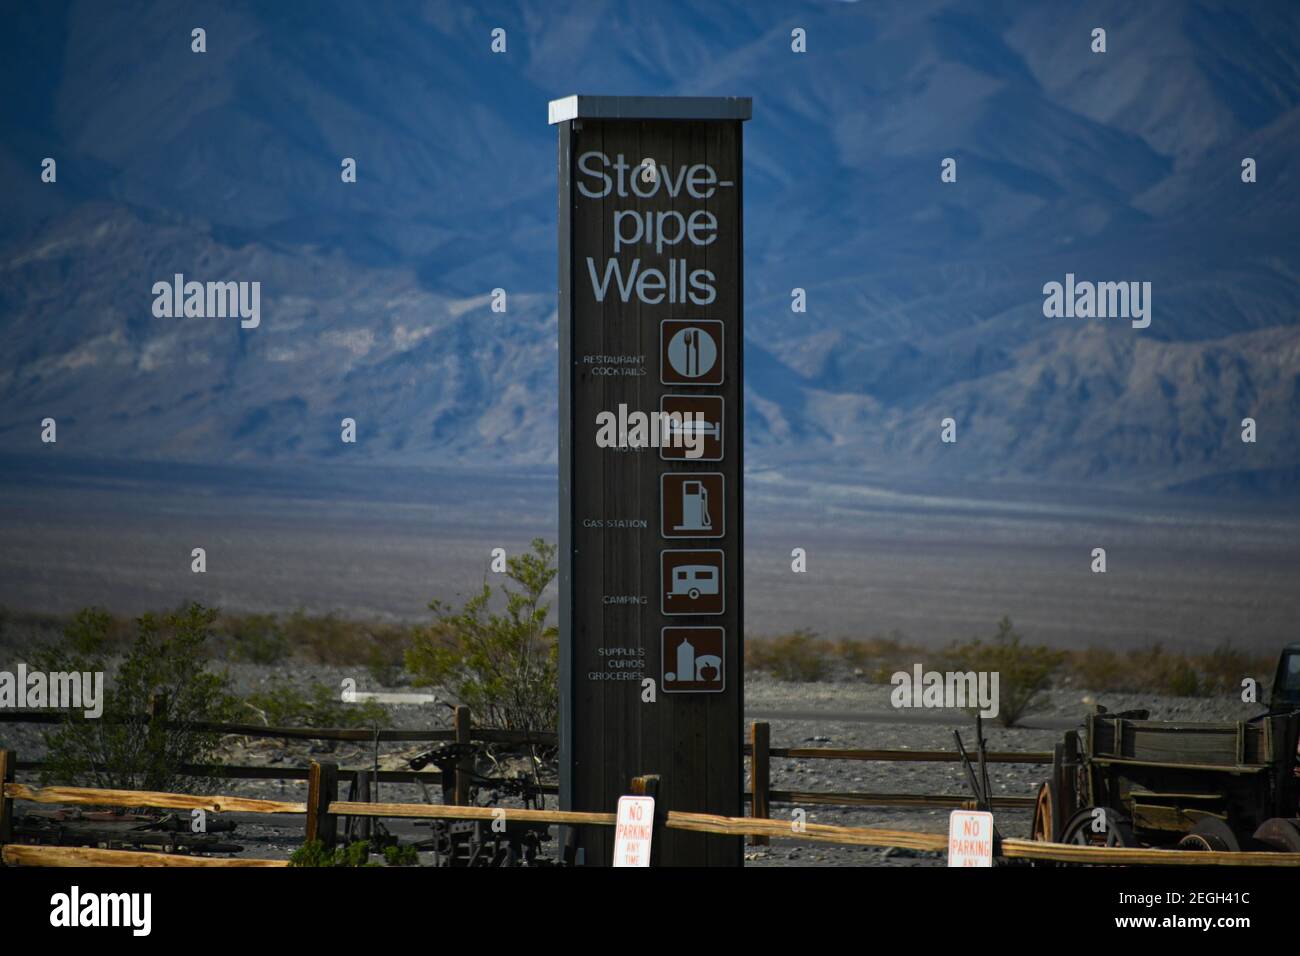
x=651 y=392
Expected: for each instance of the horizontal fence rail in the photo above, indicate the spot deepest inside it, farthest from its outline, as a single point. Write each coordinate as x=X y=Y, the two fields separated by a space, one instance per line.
x=905 y=756
x=147 y=799
x=341 y=734
x=236 y=772
x=18 y=855
x=920 y=801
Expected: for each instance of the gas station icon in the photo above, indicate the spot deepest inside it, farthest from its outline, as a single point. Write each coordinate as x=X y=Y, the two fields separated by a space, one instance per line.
x=693 y=659
x=692 y=582
x=690 y=352
x=696 y=419
x=691 y=505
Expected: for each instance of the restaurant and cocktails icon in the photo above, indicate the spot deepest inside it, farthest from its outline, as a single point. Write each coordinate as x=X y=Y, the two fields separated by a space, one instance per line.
x=693 y=659
x=690 y=352
x=692 y=582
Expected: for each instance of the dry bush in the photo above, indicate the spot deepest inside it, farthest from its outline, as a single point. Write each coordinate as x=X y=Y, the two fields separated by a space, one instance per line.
x=503 y=664
x=325 y=639
x=168 y=661
x=798 y=656
x=1024 y=671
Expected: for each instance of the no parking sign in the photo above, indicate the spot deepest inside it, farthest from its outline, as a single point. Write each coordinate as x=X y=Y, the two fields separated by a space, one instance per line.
x=970 y=838
x=633 y=831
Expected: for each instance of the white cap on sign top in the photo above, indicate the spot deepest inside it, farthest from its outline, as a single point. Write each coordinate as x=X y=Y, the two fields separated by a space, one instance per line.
x=650 y=107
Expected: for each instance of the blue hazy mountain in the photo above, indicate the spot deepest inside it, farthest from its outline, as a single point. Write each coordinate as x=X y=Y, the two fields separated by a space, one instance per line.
x=924 y=298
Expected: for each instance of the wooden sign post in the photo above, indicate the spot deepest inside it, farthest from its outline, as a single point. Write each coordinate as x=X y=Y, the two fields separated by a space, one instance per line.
x=651 y=523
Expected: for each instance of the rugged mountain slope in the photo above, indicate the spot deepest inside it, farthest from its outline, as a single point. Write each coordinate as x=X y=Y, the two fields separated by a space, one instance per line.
x=924 y=298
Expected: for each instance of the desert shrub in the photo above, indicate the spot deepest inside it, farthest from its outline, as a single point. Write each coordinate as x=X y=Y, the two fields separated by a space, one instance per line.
x=877 y=657
x=256 y=639
x=167 y=661
x=327 y=638
x=1024 y=671
x=386 y=658
x=503 y=664
x=330 y=639
x=1100 y=669
x=284 y=704
x=404 y=855
x=1153 y=668
x=1182 y=680
x=797 y=656
x=1223 y=668
x=314 y=854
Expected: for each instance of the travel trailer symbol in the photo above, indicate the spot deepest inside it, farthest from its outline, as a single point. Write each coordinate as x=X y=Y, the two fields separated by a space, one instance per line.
x=693 y=659
x=691 y=505
x=692 y=582
x=690 y=352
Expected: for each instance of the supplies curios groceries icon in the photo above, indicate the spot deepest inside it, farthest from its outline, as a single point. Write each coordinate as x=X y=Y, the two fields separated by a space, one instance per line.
x=690 y=352
x=693 y=659
x=696 y=433
x=692 y=504
x=692 y=582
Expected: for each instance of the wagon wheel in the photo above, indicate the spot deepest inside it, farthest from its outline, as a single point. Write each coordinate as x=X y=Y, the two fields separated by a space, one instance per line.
x=1280 y=834
x=1080 y=829
x=1046 y=813
x=1210 y=833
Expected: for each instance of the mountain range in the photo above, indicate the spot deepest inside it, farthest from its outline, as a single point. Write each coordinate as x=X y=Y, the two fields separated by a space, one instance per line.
x=925 y=298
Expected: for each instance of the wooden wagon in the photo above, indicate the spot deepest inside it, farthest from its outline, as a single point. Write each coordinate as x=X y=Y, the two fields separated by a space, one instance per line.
x=1129 y=781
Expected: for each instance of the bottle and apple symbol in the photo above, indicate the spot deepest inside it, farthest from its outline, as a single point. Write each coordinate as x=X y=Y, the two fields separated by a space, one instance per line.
x=693 y=659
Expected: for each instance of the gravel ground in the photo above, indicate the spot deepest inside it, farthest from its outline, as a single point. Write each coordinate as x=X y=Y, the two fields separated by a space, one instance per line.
x=845 y=713
x=1061 y=708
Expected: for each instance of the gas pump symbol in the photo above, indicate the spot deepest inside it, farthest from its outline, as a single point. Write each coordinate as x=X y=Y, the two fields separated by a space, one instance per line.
x=692 y=505
x=695 y=508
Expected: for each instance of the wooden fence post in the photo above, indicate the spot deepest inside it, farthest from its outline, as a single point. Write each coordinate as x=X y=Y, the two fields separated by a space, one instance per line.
x=8 y=764
x=465 y=765
x=648 y=786
x=322 y=790
x=363 y=795
x=760 y=775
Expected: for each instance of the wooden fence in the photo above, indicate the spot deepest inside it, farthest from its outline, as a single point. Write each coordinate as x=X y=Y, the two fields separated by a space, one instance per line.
x=322 y=807
x=760 y=796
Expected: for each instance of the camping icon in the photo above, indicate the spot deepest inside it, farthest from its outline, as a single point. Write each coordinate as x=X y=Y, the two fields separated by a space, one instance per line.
x=692 y=582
